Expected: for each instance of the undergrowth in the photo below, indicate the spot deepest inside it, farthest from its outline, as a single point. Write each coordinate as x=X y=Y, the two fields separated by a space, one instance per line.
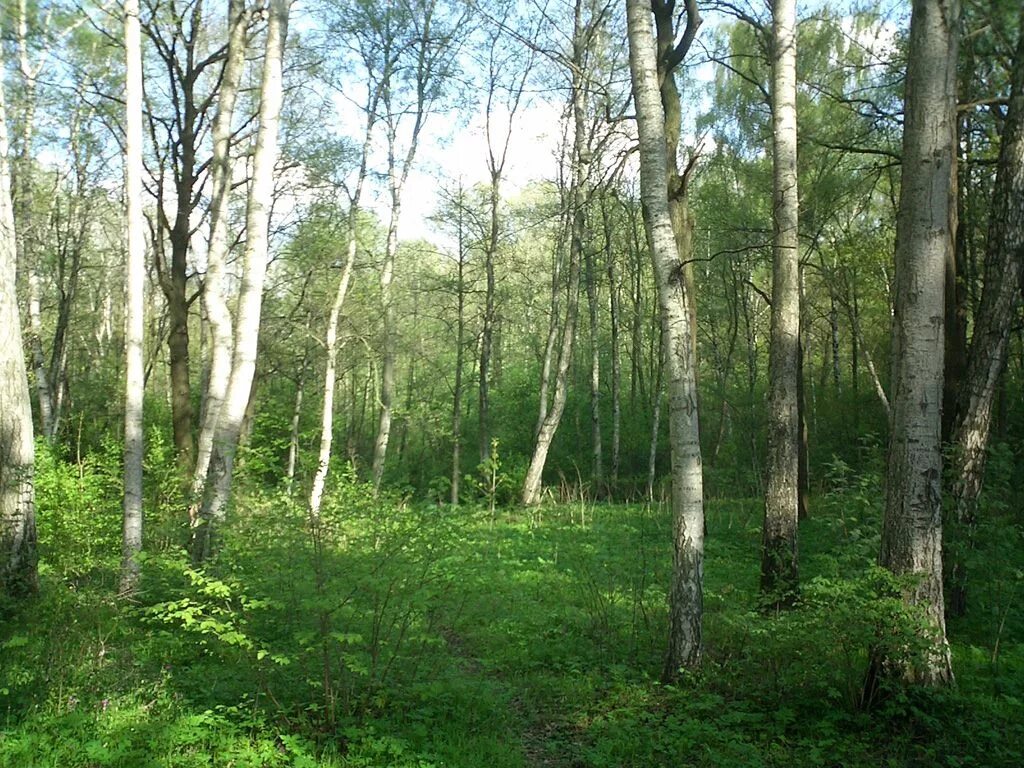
x=386 y=633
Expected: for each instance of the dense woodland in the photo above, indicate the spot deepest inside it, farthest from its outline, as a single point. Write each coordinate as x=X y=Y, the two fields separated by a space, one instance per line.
x=543 y=383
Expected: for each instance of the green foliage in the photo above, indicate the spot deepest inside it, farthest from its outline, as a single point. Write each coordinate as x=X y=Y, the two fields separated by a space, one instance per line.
x=414 y=636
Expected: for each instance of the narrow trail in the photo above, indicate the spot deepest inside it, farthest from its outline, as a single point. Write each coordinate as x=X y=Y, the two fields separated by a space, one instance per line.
x=544 y=744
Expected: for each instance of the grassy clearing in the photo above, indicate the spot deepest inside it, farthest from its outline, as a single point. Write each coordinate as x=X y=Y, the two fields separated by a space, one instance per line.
x=425 y=636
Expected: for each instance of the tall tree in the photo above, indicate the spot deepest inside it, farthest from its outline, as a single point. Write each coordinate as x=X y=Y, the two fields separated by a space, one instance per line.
x=912 y=525
x=217 y=491
x=779 y=577
x=507 y=75
x=665 y=232
x=1000 y=298
x=373 y=97
x=428 y=32
x=215 y=288
x=135 y=275
x=17 y=451
x=580 y=158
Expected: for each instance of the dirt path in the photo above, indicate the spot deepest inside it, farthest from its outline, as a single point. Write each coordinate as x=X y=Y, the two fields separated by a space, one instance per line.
x=544 y=744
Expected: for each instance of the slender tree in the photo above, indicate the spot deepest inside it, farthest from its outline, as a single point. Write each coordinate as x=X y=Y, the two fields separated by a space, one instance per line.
x=135 y=275
x=217 y=490
x=664 y=236
x=1000 y=299
x=17 y=451
x=779 y=575
x=912 y=525
x=215 y=289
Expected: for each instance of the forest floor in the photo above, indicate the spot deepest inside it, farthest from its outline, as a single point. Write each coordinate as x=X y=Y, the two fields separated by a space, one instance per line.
x=428 y=637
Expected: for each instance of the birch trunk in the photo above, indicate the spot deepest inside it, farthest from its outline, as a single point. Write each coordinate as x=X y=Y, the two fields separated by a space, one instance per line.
x=460 y=342
x=779 y=572
x=616 y=374
x=487 y=332
x=912 y=525
x=217 y=491
x=331 y=341
x=387 y=370
x=215 y=290
x=134 y=301
x=323 y=464
x=686 y=591
x=1000 y=299
x=553 y=415
x=597 y=465
x=17 y=451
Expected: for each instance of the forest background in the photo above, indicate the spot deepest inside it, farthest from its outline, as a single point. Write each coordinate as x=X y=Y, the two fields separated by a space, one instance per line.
x=407 y=497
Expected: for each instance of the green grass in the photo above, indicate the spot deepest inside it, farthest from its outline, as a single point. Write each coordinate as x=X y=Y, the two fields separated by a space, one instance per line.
x=425 y=636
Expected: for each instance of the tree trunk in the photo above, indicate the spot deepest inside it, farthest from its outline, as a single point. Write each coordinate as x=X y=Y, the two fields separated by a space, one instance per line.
x=597 y=465
x=387 y=371
x=686 y=592
x=330 y=374
x=215 y=290
x=460 y=353
x=293 y=432
x=652 y=451
x=912 y=526
x=552 y=338
x=553 y=415
x=17 y=451
x=487 y=332
x=217 y=491
x=616 y=382
x=1000 y=299
x=779 y=573
x=135 y=276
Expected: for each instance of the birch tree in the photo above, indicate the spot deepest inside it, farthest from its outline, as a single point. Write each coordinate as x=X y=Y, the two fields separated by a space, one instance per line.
x=664 y=236
x=217 y=491
x=779 y=576
x=428 y=32
x=373 y=50
x=134 y=287
x=1000 y=299
x=17 y=450
x=507 y=77
x=912 y=525
x=579 y=161
x=215 y=289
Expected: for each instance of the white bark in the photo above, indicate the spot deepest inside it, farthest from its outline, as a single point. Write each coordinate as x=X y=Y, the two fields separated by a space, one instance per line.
x=217 y=492
x=912 y=527
x=779 y=575
x=551 y=414
x=220 y=243
x=17 y=450
x=1000 y=300
x=134 y=285
x=686 y=592
x=331 y=341
x=330 y=375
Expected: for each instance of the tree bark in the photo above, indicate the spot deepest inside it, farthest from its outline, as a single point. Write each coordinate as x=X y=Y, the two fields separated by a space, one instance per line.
x=552 y=416
x=331 y=340
x=135 y=276
x=215 y=289
x=664 y=236
x=1000 y=300
x=912 y=525
x=597 y=452
x=460 y=353
x=18 y=574
x=779 y=571
x=217 y=491
x=616 y=373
